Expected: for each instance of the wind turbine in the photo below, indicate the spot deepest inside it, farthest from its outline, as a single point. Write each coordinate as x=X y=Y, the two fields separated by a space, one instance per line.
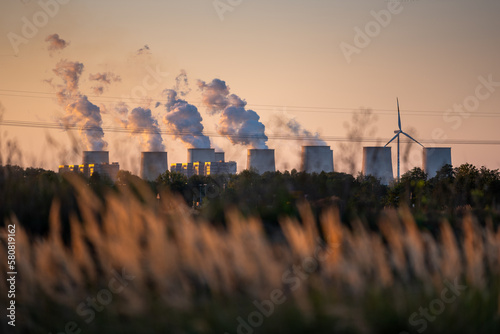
x=398 y=132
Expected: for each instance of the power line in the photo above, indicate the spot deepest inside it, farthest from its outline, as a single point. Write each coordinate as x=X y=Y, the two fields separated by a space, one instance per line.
x=59 y=126
x=261 y=107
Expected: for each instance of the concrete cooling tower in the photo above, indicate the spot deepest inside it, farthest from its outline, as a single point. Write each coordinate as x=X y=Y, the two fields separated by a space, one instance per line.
x=435 y=158
x=261 y=160
x=201 y=155
x=95 y=157
x=317 y=159
x=377 y=161
x=153 y=164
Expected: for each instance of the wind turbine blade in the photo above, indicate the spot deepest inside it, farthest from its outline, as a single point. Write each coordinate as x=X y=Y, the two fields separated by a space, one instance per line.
x=399 y=117
x=392 y=139
x=416 y=141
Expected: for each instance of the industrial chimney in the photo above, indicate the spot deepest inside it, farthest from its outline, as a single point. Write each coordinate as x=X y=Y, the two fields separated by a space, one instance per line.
x=201 y=155
x=377 y=161
x=435 y=158
x=317 y=159
x=262 y=160
x=153 y=164
x=95 y=157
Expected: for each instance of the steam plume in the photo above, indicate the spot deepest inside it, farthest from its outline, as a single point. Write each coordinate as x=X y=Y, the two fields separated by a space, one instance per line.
x=121 y=108
x=142 y=123
x=214 y=95
x=144 y=50
x=293 y=128
x=70 y=73
x=239 y=125
x=55 y=42
x=103 y=80
x=80 y=112
x=184 y=121
x=87 y=116
x=182 y=84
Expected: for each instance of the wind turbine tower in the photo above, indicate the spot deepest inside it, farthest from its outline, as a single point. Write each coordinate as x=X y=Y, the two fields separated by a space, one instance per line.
x=398 y=132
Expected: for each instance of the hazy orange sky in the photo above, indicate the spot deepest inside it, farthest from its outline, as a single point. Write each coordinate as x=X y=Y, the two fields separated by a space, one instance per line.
x=316 y=61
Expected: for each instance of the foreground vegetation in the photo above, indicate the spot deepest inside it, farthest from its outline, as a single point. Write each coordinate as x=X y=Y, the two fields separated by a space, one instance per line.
x=278 y=253
x=135 y=264
x=28 y=194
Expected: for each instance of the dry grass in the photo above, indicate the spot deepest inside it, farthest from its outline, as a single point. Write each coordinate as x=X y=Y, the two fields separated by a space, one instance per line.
x=192 y=277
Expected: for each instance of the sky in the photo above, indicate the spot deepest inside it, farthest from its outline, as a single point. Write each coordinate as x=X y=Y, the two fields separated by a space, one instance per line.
x=321 y=63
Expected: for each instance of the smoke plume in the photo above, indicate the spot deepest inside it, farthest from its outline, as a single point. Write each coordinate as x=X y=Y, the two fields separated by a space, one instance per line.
x=214 y=95
x=121 y=108
x=102 y=81
x=70 y=73
x=87 y=116
x=239 y=125
x=56 y=43
x=182 y=84
x=142 y=123
x=291 y=127
x=184 y=121
x=144 y=50
x=80 y=112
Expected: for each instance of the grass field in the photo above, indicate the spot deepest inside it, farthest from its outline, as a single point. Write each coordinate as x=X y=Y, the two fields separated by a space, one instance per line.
x=148 y=266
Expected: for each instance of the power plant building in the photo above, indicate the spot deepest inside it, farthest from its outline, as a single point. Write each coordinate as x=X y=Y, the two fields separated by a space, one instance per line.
x=201 y=155
x=153 y=164
x=219 y=156
x=317 y=159
x=94 y=161
x=204 y=168
x=95 y=157
x=377 y=161
x=186 y=169
x=204 y=161
x=435 y=158
x=261 y=160
x=108 y=170
x=220 y=167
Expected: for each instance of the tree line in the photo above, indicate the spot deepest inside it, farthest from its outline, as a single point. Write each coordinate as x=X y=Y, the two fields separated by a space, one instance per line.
x=29 y=193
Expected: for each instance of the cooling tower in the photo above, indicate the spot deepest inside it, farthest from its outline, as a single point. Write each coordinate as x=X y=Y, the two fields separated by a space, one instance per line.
x=261 y=160
x=317 y=159
x=219 y=156
x=435 y=158
x=201 y=155
x=377 y=161
x=153 y=164
x=95 y=157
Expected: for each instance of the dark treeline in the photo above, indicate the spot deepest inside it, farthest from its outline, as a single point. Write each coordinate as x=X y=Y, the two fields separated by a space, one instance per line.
x=28 y=194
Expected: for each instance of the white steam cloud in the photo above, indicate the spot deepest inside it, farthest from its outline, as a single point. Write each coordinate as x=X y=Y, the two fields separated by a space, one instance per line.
x=214 y=95
x=102 y=81
x=184 y=121
x=87 y=116
x=80 y=112
x=142 y=123
x=182 y=84
x=144 y=50
x=69 y=72
x=239 y=125
x=291 y=127
x=55 y=43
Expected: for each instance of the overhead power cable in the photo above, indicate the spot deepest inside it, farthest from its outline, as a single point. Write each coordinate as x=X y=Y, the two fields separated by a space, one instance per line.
x=60 y=126
x=259 y=107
